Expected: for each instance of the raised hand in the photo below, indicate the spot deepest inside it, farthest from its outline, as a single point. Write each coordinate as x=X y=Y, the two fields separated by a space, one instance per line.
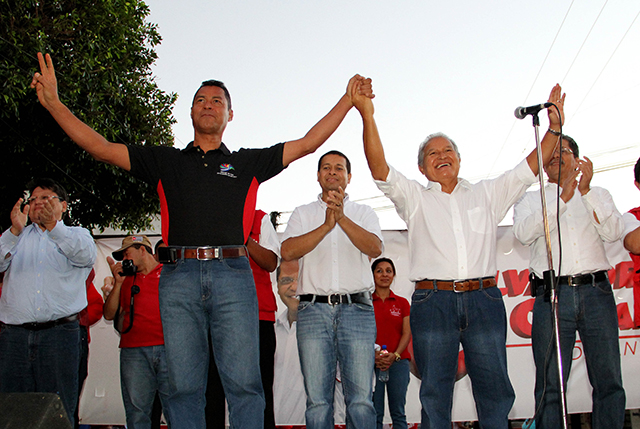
x=45 y=82
x=116 y=269
x=569 y=185
x=19 y=217
x=556 y=116
x=107 y=287
x=586 y=168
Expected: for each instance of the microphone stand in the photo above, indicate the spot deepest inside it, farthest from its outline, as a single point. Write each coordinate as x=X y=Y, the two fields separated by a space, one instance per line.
x=549 y=275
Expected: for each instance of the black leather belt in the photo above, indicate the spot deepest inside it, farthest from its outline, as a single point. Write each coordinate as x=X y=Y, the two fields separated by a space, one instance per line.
x=336 y=298
x=170 y=255
x=580 y=279
x=37 y=326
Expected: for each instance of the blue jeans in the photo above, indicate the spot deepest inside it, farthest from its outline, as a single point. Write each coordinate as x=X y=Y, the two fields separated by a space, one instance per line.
x=344 y=334
x=591 y=310
x=440 y=322
x=217 y=298
x=143 y=371
x=41 y=361
x=396 y=391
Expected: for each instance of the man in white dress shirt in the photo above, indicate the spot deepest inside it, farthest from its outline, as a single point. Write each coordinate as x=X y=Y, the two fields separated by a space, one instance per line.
x=588 y=218
x=333 y=238
x=452 y=227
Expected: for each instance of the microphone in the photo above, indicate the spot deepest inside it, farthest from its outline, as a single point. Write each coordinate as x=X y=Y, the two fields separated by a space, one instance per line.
x=521 y=112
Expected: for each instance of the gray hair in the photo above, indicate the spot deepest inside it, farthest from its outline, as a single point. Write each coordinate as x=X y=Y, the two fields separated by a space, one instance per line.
x=426 y=141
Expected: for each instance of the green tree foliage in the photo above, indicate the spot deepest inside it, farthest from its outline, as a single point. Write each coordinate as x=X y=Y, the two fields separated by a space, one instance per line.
x=102 y=51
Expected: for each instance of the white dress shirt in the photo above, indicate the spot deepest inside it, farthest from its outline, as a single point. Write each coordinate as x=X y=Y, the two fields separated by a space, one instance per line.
x=335 y=265
x=630 y=223
x=582 y=236
x=453 y=236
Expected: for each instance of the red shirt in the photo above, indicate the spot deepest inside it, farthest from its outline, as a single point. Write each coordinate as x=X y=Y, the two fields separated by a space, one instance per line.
x=262 y=278
x=636 y=277
x=390 y=315
x=147 y=327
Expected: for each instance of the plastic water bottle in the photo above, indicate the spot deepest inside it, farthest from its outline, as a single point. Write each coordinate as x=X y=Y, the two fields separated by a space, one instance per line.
x=383 y=376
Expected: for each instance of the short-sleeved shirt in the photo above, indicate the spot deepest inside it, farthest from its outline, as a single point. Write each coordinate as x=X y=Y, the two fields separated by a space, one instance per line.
x=147 y=327
x=390 y=315
x=206 y=199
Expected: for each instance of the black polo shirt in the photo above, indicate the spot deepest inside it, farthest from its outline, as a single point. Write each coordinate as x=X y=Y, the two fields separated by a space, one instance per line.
x=206 y=199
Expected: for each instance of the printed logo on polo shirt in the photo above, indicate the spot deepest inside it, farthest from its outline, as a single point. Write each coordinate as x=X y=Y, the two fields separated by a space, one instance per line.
x=227 y=170
x=395 y=311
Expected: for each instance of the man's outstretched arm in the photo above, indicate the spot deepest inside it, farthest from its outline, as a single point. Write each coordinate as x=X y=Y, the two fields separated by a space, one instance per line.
x=321 y=131
x=372 y=144
x=46 y=87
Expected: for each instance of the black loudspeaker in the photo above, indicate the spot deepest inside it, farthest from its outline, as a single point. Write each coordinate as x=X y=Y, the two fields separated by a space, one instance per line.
x=32 y=411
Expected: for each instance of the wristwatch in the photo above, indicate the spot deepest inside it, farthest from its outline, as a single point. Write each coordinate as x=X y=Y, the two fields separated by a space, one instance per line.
x=397 y=356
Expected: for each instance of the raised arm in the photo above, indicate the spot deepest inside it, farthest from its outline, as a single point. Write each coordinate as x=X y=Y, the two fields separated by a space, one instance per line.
x=549 y=141
x=372 y=145
x=321 y=131
x=46 y=87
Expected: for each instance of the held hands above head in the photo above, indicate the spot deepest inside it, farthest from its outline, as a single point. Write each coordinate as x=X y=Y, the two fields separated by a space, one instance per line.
x=360 y=99
x=359 y=86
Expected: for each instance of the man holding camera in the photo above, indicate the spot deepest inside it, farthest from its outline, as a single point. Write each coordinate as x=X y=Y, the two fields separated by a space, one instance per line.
x=133 y=305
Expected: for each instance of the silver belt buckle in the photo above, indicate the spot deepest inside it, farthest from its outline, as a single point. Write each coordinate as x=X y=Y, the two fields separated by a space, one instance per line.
x=455 y=286
x=335 y=299
x=216 y=252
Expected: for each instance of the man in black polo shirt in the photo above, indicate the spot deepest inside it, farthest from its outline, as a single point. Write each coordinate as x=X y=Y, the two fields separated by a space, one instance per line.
x=207 y=198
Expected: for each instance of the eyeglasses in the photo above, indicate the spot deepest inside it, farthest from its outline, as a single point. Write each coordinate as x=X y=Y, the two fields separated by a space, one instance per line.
x=43 y=198
x=565 y=151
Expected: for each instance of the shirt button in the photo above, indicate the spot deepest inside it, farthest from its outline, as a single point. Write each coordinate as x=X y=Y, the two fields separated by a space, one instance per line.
x=206 y=165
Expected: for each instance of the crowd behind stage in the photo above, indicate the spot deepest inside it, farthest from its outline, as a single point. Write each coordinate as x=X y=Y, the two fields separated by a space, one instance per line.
x=197 y=315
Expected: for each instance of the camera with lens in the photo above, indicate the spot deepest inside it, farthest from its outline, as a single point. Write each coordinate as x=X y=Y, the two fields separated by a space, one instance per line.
x=128 y=268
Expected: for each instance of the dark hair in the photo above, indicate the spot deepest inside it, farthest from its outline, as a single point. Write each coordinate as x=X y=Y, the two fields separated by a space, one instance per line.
x=572 y=145
x=377 y=261
x=636 y=171
x=158 y=244
x=50 y=184
x=213 y=82
x=335 y=152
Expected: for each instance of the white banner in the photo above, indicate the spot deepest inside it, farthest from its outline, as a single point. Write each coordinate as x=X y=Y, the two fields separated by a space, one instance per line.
x=101 y=401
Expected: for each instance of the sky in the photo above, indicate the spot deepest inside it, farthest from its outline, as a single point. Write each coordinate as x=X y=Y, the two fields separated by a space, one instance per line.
x=459 y=67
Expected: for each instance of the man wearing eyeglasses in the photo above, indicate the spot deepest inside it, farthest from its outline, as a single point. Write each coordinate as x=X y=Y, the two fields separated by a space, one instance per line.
x=134 y=301
x=588 y=217
x=46 y=264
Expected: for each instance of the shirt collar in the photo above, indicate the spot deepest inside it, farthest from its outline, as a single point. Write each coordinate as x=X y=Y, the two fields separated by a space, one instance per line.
x=190 y=147
x=438 y=187
x=391 y=295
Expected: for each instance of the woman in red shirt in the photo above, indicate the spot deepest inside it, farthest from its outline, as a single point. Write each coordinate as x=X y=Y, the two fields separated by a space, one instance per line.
x=394 y=332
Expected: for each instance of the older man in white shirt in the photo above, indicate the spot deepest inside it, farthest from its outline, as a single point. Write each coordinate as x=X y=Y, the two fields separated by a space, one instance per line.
x=452 y=227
